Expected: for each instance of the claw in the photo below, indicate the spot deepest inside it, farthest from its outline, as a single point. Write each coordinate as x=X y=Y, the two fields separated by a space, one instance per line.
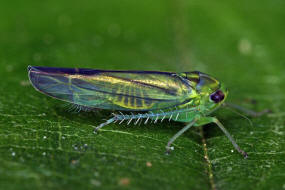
x=96 y=131
x=245 y=155
x=169 y=149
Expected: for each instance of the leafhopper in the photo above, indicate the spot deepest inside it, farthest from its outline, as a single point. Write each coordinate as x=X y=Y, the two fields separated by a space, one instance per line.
x=189 y=97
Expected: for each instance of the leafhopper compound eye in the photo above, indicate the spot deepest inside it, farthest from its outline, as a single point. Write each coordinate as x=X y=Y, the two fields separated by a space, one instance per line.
x=217 y=96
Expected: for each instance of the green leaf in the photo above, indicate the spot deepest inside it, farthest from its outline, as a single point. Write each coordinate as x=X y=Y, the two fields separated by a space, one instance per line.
x=43 y=146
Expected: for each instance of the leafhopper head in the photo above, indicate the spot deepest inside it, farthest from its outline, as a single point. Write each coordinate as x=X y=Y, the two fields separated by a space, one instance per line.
x=210 y=92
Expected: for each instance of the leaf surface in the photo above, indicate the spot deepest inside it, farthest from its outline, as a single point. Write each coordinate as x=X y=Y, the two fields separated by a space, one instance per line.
x=43 y=145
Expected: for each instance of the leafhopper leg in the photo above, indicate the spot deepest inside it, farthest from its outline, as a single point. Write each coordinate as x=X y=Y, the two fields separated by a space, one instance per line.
x=179 y=133
x=247 y=111
x=207 y=120
x=103 y=124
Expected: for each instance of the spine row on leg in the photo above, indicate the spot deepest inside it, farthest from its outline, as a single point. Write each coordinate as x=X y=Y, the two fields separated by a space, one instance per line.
x=150 y=116
x=172 y=114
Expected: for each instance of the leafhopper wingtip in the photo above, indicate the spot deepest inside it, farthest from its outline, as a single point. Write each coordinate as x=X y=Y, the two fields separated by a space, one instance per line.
x=29 y=67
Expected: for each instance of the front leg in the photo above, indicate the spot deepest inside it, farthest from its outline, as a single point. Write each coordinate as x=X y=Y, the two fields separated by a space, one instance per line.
x=207 y=120
x=247 y=111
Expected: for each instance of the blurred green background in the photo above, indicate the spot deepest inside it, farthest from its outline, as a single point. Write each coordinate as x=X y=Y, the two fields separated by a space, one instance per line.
x=43 y=146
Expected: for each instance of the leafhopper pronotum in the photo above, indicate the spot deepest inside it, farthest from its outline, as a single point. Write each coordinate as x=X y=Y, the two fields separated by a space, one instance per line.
x=188 y=97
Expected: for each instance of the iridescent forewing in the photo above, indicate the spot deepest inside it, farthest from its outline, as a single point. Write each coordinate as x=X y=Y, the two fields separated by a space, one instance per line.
x=120 y=90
